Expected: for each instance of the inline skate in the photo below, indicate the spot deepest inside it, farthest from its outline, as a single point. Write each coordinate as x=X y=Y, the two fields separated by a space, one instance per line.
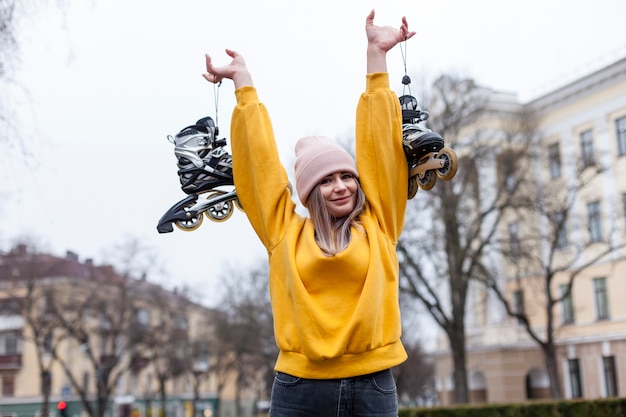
x=203 y=166
x=425 y=152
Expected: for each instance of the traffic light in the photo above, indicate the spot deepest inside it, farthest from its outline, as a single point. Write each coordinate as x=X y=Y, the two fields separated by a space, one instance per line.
x=62 y=407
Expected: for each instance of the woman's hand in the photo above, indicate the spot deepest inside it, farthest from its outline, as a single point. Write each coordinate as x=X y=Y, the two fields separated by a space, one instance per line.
x=380 y=39
x=386 y=37
x=236 y=70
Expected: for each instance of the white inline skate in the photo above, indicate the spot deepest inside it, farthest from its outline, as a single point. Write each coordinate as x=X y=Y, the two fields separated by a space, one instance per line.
x=204 y=166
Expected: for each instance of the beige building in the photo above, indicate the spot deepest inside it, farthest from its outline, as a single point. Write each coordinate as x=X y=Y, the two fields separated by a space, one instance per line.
x=86 y=325
x=582 y=124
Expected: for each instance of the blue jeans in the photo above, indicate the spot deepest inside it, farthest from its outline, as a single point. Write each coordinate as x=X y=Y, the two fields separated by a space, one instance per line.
x=372 y=395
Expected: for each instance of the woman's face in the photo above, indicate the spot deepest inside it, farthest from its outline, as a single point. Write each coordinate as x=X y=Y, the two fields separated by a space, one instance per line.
x=339 y=193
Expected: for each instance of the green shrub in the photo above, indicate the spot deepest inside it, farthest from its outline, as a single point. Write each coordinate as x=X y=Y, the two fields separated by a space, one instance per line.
x=614 y=407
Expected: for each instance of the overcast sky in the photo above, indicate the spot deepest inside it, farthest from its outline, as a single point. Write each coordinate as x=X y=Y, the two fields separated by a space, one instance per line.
x=100 y=87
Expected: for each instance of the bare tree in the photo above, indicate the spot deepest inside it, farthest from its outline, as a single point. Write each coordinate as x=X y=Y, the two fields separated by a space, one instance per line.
x=23 y=271
x=165 y=338
x=12 y=13
x=246 y=330
x=415 y=377
x=98 y=322
x=544 y=251
x=76 y=312
x=199 y=358
x=133 y=258
x=451 y=227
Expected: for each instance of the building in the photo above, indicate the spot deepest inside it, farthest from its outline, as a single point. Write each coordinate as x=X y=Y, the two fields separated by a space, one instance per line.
x=82 y=338
x=582 y=124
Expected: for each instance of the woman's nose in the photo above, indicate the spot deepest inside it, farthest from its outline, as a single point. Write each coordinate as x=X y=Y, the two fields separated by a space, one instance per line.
x=340 y=185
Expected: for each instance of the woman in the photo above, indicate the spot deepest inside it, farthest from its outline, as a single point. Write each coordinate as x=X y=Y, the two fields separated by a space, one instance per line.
x=333 y=276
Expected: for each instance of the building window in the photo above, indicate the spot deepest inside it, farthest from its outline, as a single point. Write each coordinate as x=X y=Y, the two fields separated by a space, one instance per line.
x=568 y=304
x=86 y=379
x=518 y=300
x=8 y=385
x=48 y=342
x=624 y=205
x=586 y=148
x=620 y=132
x=507 y=166
x=601 y=297
x=8 y=343
x=574 y=378
x=143 y=316
x=610 y=376
x=514 y=240
x=594 y=221
x=560 y=230
x=554 y=161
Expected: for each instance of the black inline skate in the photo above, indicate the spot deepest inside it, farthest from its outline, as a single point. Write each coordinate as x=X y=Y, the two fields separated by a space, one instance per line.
x=425 y=152
x=203 y=166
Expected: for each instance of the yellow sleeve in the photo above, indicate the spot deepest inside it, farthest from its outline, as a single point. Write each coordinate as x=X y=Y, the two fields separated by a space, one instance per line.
x=260 y=178
x=381 y=163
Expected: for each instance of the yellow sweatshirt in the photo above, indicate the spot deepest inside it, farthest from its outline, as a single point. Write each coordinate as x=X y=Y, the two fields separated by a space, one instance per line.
x=339 y=316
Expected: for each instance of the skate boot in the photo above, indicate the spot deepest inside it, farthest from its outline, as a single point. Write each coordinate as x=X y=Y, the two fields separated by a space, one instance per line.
x=425 y=152
x=203 y=166
x=203 y=163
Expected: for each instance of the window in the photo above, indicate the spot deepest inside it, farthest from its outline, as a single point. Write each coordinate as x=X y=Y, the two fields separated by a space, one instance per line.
x=8 y=385
x=142 y=316
x=508 y=161
x=8 y=343
x=620 y=133
x=574 y=378
x=514 y=241
x=518 y=300
x=568 y=304
x=180 y=322
x=586 y=148
x=624 y=205
x=560 y=230
x=11 y=306
x=554 y=161
x=510 y=180
x=594 y=222
x=48 y=342
x=610 y=376
x=86 y=378
x=601 y=297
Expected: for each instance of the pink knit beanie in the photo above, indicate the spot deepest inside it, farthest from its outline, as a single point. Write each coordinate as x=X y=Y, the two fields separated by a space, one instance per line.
x=317 y=157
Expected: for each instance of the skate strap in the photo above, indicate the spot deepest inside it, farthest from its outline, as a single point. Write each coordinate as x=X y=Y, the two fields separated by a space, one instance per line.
x=194 y=129
x=408 y=102
x=410 y=115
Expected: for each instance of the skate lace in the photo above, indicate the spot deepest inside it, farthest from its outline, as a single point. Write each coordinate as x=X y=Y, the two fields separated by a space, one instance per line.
x=217 y=170
x=411 y=132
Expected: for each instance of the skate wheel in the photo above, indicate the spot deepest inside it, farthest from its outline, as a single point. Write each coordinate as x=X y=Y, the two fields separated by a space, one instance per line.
x=190 y=224
x=238 y=205
x=427 y=180
x=413 y=187
x=450 y=166
x=219 y=212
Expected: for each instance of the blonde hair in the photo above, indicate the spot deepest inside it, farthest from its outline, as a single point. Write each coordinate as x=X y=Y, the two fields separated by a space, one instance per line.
x=331 y=234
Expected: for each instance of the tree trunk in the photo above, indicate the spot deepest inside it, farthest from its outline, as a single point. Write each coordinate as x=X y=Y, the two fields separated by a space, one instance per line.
x=45 y=390
x=549 y=352
x=459 y=356
x=162 y=396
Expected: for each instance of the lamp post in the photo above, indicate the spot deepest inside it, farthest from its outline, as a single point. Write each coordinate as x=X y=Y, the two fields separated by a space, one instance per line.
x=46 y=383
x=200 y=367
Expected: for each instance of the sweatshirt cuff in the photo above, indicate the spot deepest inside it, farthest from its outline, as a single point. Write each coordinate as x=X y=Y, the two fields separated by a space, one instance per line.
x=377 y=81
x=246 y=95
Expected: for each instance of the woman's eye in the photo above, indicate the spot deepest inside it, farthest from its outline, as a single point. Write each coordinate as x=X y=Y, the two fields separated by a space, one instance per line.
x=346 y=177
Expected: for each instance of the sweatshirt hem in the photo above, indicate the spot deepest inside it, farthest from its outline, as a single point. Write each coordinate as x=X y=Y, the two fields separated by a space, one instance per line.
x=348 y=365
